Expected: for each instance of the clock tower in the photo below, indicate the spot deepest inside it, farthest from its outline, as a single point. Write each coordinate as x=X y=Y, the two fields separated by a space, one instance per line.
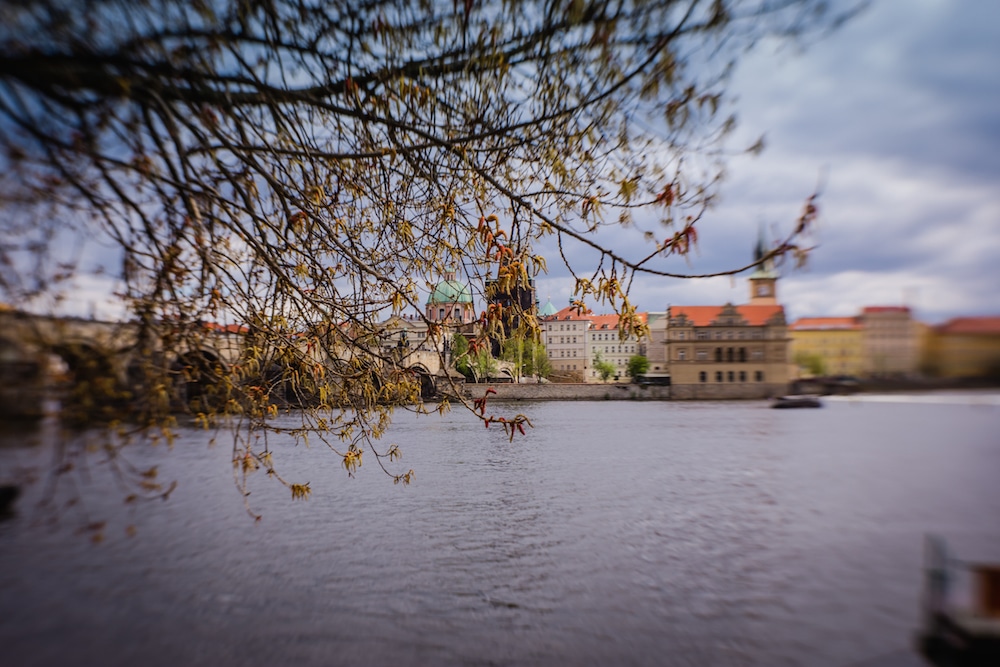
x=764 y=279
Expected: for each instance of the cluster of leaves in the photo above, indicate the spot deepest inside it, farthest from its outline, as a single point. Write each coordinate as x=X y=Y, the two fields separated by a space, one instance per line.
x=303 y=168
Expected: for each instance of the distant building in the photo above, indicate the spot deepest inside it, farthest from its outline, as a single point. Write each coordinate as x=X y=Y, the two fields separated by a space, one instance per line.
x=891 y=340
x=515 y=302
x=656 y=349
x=837 y=342
x=603 y=339
x=450 y=302
x=965 y=347
x=572 y=341
x=729 y=351
x=564 y=335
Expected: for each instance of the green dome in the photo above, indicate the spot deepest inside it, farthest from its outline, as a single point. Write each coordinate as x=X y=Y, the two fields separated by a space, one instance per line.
x=450 y=291
x=548 y=310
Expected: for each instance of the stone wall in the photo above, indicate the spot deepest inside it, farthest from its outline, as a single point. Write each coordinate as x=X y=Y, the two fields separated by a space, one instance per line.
x=724 y=391
x=569 y=392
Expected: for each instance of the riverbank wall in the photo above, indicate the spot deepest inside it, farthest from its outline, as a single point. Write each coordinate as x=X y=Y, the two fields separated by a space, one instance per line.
x=569 y=392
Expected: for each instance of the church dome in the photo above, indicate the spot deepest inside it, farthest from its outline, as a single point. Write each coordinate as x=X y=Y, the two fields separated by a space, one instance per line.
x=450 y=291
x=548 y=310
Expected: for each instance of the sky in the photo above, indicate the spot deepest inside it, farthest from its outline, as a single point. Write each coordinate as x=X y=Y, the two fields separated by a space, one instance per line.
x=900 y=109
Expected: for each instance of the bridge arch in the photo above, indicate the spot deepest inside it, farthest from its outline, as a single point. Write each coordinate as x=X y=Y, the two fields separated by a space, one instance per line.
x=427 y=387
x=198 y=375
x=87 y=381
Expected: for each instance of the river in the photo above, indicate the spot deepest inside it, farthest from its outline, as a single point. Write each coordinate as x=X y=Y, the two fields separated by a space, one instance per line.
x=615 y=533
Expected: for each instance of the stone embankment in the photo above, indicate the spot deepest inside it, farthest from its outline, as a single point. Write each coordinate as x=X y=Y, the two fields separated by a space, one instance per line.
x=569 y=392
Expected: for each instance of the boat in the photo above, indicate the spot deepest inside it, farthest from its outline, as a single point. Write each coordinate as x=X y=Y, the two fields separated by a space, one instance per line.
x=957 y=634
x=797 y=402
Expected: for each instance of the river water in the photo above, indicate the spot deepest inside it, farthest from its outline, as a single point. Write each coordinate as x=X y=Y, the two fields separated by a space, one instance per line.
x=616 y=533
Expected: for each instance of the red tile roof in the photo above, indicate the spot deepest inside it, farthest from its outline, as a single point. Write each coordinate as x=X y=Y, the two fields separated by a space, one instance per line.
x=604 y=322
x=568 y=313
x=826 y=324
x=703 y=316
x=971 y=325
x=227 y=328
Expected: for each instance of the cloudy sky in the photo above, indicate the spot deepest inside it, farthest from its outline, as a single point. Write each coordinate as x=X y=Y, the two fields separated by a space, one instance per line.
x=901 y=109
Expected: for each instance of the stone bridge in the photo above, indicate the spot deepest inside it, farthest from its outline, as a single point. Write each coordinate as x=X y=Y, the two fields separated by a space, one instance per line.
x=36 y=351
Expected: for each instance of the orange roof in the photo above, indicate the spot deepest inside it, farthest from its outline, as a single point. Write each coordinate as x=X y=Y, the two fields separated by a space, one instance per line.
x=703 y=316
x=971 y=325
x=226 y=328
x=568 y=313
x=604 y=321
x=825 y=324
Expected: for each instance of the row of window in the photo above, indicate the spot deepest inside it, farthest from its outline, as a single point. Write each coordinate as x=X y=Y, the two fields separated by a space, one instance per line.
x=729 y=354
x=758 y=376
x=608 y=349
x=701 y=334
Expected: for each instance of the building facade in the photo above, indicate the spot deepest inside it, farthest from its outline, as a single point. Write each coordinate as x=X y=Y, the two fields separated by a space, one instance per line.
x=564 y=334
x=603 y=340
x=573 y=340
x=891 y=340
x=727 y=351
x=836 y=342
x=965 y=347
x=730 y=351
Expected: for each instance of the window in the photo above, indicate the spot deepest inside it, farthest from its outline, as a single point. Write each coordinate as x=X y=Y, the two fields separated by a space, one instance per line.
x=729 y=335
x=758 y=376
x=701 y=355
x=682 y=354
x=718 y=354
x=718 y=376
x=743 y=354
x=680 y=335
x=729 y=354
x=702 y=376
x=757 y=354
x=731 y=376
x=718 y=335
x=743 y=376
x=440 y=313
x=701 y=335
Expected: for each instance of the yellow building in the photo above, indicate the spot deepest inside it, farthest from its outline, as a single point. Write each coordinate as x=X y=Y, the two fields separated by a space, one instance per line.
x=828 y=346
x=727 y=351
x=965 y=347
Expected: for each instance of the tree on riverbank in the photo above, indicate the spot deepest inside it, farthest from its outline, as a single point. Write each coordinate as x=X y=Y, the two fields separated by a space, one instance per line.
x=637 y=365
x=605 y=369
x=303 y=168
